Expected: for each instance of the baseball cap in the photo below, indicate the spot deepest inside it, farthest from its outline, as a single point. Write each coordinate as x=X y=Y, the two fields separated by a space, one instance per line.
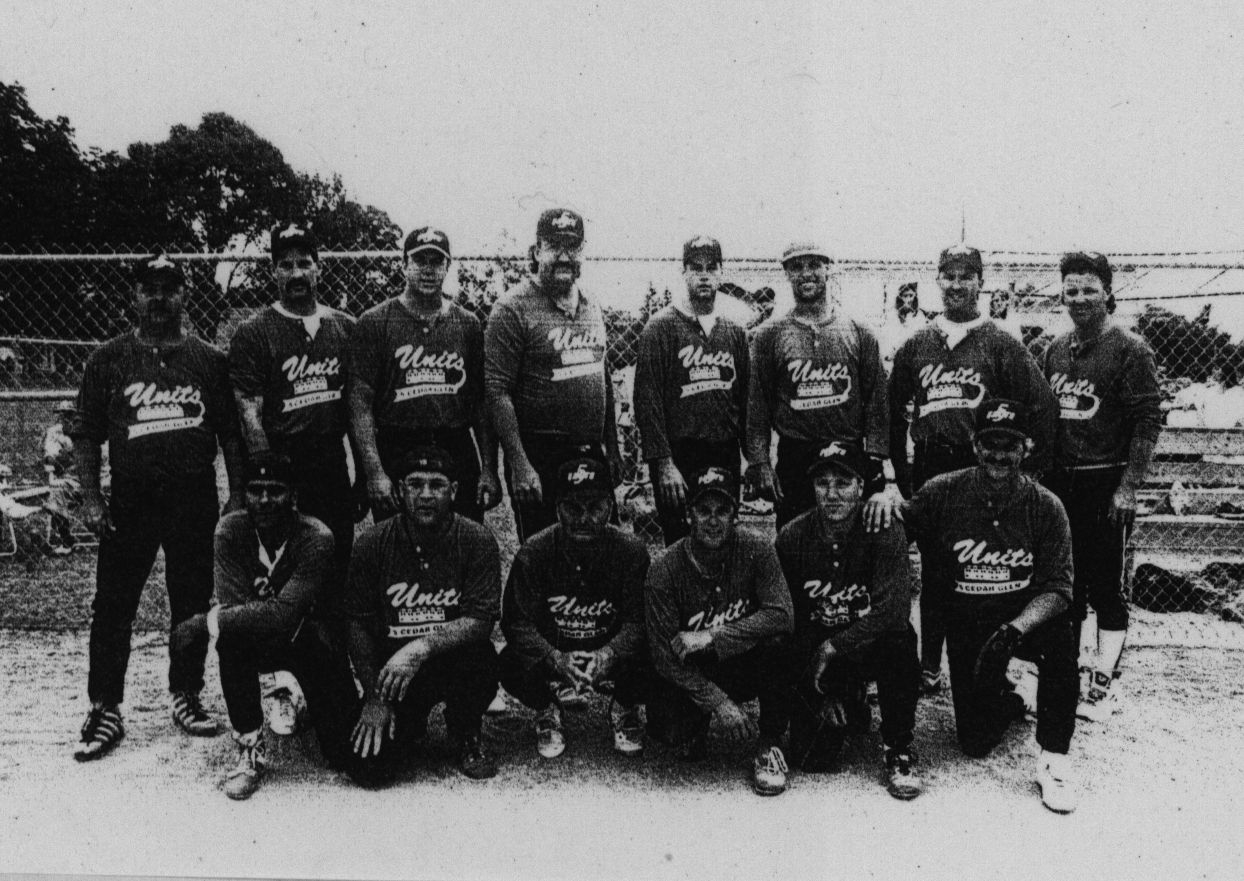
x=560 y=225
x=424 y=458
x=1091 y=262
x=586 y=476
x=805 y=249
x=269 y=467
x=158 y=266
x=712 y=480
x=964 y=254
x=1003 y=416
x=425 y=238
x=706 y=245
x=293 y=235
x=844 y=456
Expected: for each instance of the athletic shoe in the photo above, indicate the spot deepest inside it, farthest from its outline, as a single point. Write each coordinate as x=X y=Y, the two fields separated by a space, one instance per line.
x=1054 y=776
x=101 y=731
x=188 y=713
x=570 y=699
x=244 y=779
x=283 y=702
x=550 y=739
x=1102 y=699
x=902 y=779
x=473 y=760
x=1086 y=680
x=628 y=732
x=769 y=772
x=930 y=681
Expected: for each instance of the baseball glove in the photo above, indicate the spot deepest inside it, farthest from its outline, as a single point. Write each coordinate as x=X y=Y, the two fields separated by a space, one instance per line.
x=989 y=675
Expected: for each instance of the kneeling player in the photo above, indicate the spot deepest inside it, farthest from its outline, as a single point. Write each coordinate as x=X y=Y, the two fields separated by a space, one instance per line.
x=424 y=592
x=573 y=612
x=271 y=563
x=851 y=590
x=1005 y=546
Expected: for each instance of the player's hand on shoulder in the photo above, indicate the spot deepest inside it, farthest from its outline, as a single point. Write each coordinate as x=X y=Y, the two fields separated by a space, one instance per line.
x=382 y=496
x=883 y=508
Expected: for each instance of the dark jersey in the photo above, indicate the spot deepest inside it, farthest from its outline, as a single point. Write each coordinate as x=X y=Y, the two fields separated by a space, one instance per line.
x=161 y=410
x=1107 y=392
x=299 y=377
x=551 y=364
x=688 y=384
x=425 y=374
x=816 y=383
x=570 y=599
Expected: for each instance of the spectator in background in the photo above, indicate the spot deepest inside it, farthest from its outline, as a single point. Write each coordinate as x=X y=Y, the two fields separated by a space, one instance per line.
x=1216 y=403
x=61 y=468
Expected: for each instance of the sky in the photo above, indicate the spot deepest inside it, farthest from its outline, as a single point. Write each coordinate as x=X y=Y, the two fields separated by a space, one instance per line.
x=876 y=128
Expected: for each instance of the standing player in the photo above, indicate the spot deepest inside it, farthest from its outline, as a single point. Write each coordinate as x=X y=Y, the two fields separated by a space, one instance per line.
x=424 y=593
x=547 y=382
x=851 y=590
x=690 y=387
x=287 y=364
x=1003 y=544
x=573 y=612
x=417 y=378
x=944 y=371
x=816 y=377
x=1110 y=406
x=717 y=608
x=161 y=401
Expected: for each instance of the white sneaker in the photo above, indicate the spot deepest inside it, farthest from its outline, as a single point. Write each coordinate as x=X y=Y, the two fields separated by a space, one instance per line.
x=243 y=780
x=628 y=732
x=1102 y=699
x=769 y=772
x=499 y=704
x=1026 y=681
x=283 y=702
x=1055 y=777
x=550 y=739
x=569 y=698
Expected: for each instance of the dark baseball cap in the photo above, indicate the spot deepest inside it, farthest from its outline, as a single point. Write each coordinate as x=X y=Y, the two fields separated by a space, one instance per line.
x=425 y=238
x=706 y=246
x=843 y=456
x=961 y=254
x=424 y=458
x=712 y=480
x=560 y=225
x=158 y=266
x=585 y=476
x=293 y=235
x=1090 y=262
x=1003 y=416
x=269 y=467
x=805 y=249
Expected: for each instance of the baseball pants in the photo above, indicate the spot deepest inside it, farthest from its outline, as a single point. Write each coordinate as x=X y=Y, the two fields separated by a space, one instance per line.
x=690 y=455
x=458 y=442
x=181 y=519
x=546 y=451
x=632 y=680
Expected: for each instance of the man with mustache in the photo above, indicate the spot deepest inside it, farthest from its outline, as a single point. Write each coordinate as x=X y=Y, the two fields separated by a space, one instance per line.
x=944 y=371
x=287 y=364
x=546 y=377
x=1110 y=406
x=161 y=401
x=1002 y=543
x=573 y=612
x=417 y=377
x=816 y=377
x=717 y=611
x=690 y=387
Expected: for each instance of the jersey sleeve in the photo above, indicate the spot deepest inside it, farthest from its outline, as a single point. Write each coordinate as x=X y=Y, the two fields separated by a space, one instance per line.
x=661 y=623
x=481 y=587
x=365 y=344
x=650 y=382
x=521 y=613
x=503 y=350
x=889 y=594
x=774 y=614
x=1140 y=394
x=246 y=371
x=630 y=638
x=760 y=397
x=90 y=420
x=224 y=408
x=473 y=390
x=874 y=395
x=1052 y=570
x=363 y=576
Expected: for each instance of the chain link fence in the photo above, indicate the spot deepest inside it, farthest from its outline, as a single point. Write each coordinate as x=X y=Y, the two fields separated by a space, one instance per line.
x=1187 y=551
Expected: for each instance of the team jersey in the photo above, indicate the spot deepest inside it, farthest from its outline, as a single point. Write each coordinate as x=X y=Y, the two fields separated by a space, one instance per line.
x=268 y=591
x=414 y=589
x=688 y=384
x=161 y=410
x=998 y=553
x=816 y=383
x=947 y=385
x=747 y=603
x=1107 y=391
x=847 y=584
x=559 y=596
x=300 y=378
x=426 y=374
x=552 y=364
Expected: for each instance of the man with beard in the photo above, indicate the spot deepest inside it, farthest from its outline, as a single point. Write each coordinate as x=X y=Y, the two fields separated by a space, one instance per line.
x=690 y=387
x=573 y=612
x=423 y=595
x=944 y=371
x=161 y=401
x=549 y=393
x=816 y=377
x=717 y=610
x=851 y=590
x=1003 y=544
x=417 y=377
x=287 y=364
x=1110 y=407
